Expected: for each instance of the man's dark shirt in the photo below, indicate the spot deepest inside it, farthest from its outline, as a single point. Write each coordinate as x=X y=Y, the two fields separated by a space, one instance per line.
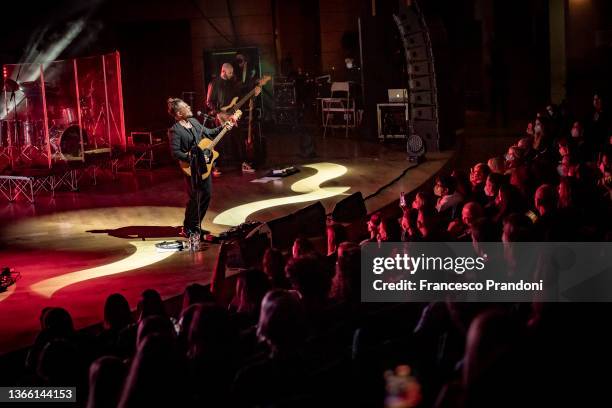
x=182 y=138
x=220 y=93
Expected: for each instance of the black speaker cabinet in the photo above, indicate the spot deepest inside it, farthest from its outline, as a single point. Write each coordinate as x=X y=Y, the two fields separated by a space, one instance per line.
x=349 y=209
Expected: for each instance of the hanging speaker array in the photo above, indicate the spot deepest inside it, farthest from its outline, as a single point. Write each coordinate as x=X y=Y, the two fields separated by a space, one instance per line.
x=422 y=91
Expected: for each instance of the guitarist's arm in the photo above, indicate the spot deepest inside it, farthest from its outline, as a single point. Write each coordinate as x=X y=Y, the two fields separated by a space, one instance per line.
x=209 y=132
x=211 y=98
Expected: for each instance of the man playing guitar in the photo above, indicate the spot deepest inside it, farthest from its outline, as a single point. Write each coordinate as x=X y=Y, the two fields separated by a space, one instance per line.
x=222 y=94
x=187 y=132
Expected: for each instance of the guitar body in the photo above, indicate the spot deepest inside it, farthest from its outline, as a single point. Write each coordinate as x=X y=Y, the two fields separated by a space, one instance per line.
x=227 y=108
x=205 y=143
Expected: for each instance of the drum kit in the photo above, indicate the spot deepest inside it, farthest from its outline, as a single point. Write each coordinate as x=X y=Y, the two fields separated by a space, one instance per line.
x=25 y=132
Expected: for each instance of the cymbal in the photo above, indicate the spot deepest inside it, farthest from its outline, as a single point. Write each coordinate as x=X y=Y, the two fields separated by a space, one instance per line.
x=11 y=85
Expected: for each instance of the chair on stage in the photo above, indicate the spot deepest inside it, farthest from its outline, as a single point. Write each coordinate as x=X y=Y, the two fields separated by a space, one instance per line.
x=340 y=103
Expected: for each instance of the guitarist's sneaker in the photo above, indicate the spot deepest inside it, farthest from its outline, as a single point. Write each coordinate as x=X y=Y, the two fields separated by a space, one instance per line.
x=246 y=168
x=216 y=172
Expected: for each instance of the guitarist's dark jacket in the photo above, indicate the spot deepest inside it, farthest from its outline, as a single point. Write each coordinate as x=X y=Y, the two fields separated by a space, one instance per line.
x=181 y=139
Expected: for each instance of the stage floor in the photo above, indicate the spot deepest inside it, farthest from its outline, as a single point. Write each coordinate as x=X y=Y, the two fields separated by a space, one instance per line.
x=77 y=248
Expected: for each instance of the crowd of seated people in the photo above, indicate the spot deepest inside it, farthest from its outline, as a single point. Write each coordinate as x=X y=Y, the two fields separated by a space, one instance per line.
x=294 y=332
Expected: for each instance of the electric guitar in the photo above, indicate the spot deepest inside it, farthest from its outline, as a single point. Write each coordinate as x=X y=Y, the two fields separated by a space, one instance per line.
x=235 y=104
x=206 y=143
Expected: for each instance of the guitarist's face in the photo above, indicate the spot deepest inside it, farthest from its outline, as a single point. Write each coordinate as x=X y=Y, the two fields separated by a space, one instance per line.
x=184 y=111
x=227 y=72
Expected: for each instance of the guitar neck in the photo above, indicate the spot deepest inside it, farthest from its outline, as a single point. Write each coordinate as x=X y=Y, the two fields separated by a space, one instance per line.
x=218 y=138
x=244 y=99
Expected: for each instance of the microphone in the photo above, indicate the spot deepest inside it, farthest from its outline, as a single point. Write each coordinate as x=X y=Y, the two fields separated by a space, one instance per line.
x=205 y=116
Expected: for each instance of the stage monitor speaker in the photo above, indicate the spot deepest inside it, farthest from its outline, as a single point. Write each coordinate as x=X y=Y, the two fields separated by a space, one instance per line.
x=282 y=231
x=349 y=209
x=310 y=221
x=284 y=94
x=251 y=251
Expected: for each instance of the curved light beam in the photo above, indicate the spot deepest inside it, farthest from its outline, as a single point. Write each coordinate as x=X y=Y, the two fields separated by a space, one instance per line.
x=145 y=255
x=9 y=291
x=309 y=187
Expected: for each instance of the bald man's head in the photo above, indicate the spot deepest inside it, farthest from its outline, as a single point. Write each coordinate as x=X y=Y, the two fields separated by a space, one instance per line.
x=227 y=71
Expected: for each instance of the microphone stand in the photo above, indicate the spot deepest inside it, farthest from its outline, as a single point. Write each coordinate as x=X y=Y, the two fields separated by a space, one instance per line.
x=195 y=163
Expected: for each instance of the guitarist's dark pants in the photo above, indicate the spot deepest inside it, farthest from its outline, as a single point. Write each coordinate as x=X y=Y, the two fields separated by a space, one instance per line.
x=202 y=191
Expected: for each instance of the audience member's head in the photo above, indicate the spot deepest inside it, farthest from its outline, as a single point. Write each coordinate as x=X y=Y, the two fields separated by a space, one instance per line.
x=117 y=314
x=479 y=173
x=514 y=157
x=427 y=223
x=408 y=222
x=521 y=178
x=58 y=323
x=281 y=322
x=577 y=131
x=568 y=192
x=423 y=199
x=251 y=287
x=483 y=231
x=336 y=234
x=471 y=212
x=494 y=181
x=597 y=103
x=347 y=280
x=307 y=276
x=301 y=247
x=462 y=182
x=546 y=199
x=497 y=165
x=212 y=333
x=373 y=224
x=509 y=200
x=490 y=354
x=445 y=185
x=564 y=147
x=517 y=228
x=525 y=143
x=150 y=304
x=106 y=377
x=604 y=163
x=389 y=230
x=41 y=317
x=196 y=293
x=273 y=265
x=567 y=166
x=154 y=324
